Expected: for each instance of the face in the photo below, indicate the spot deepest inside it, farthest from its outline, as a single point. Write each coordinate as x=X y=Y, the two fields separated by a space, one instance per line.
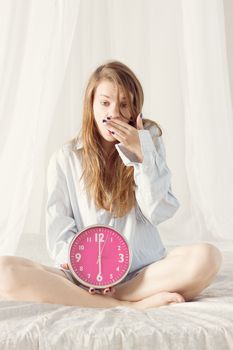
x=105 y=104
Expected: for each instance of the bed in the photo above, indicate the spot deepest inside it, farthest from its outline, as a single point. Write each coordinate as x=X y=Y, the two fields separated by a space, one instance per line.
x=204 y=323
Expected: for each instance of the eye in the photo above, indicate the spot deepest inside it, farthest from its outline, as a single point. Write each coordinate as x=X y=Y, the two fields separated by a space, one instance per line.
x=124 y=105
x=104 y=103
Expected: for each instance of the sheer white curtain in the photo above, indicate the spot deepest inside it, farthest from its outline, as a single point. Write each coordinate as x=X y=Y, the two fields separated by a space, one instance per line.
x=176 y=48
x=36 y=39
x=208 y=117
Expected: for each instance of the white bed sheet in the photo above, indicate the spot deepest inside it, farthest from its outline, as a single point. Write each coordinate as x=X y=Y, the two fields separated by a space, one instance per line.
x=204 y=323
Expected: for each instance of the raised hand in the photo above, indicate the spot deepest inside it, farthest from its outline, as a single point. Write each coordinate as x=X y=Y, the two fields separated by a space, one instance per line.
x=127 y=134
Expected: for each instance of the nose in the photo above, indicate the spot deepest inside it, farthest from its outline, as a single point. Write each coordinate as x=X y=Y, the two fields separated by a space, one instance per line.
x=115 y=111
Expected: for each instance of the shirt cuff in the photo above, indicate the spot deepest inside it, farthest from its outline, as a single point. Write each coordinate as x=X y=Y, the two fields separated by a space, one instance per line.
x=147 y=147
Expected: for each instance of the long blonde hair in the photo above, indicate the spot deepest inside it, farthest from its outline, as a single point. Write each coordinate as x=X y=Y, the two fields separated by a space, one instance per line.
x=107 y=180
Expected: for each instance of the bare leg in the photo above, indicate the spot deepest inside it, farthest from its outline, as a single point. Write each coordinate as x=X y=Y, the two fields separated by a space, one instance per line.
x=186 y=270
x=31 y=282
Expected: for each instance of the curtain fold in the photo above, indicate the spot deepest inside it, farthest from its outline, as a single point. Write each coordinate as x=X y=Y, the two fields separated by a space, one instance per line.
x=177 y=49
x=37 y=42
x=208 y=117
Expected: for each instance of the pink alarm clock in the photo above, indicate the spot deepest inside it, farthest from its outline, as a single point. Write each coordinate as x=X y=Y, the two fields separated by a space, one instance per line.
x=99 y=257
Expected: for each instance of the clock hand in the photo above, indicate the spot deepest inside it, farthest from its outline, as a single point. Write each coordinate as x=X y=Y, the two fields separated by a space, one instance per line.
x=99 y=259
x=104 y=244
x=102 y=249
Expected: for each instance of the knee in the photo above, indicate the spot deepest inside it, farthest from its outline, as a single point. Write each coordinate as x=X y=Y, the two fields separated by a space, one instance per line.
x=206 y=260
x=7 y=262
x=8 y=273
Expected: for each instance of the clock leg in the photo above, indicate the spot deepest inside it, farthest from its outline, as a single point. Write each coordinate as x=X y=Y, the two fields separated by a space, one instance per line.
x=92 y=290
x=106 y=291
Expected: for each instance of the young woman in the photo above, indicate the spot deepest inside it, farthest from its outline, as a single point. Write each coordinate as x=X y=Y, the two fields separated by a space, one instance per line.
x=113 y=173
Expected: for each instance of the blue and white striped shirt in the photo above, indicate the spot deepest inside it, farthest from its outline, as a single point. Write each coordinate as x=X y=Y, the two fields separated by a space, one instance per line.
x=69 y=209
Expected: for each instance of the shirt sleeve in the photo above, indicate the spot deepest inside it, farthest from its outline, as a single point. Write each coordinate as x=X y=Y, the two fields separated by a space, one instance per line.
x=60 y=223
x=152 y=177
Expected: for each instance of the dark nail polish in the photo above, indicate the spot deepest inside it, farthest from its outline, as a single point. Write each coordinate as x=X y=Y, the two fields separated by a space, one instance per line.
x=112 y=132
x=104 y=121
x=141 y=115
x=108 y=118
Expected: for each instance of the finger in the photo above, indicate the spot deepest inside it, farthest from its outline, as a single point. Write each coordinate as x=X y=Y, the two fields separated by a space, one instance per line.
x=123 y=126
x=117 y=136
x=116 y=132
x=65 y=266
x=112 y=291
x=139 y=122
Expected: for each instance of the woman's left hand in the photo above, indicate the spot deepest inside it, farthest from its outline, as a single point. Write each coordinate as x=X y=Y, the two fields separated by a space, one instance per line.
x=127 y=134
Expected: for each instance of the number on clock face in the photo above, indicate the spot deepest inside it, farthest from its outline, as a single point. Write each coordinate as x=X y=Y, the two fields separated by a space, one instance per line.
x=99 y=256
x=121 y=258
x=99 y=237
x=78 y=257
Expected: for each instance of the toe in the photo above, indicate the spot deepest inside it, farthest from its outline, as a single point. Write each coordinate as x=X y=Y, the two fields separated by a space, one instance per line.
x=176 y=298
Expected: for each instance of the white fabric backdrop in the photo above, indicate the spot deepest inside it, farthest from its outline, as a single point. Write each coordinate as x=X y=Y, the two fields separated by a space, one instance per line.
x=36 y=39
x=208 y=117
x=177 y=49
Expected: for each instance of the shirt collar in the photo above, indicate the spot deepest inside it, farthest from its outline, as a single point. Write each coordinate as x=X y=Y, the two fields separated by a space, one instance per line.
x=79 y=144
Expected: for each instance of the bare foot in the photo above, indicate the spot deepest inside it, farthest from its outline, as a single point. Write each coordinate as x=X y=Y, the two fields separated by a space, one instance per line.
x=159 y=299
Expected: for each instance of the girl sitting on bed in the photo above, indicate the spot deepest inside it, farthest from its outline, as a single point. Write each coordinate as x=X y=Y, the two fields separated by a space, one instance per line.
x=113 y=173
